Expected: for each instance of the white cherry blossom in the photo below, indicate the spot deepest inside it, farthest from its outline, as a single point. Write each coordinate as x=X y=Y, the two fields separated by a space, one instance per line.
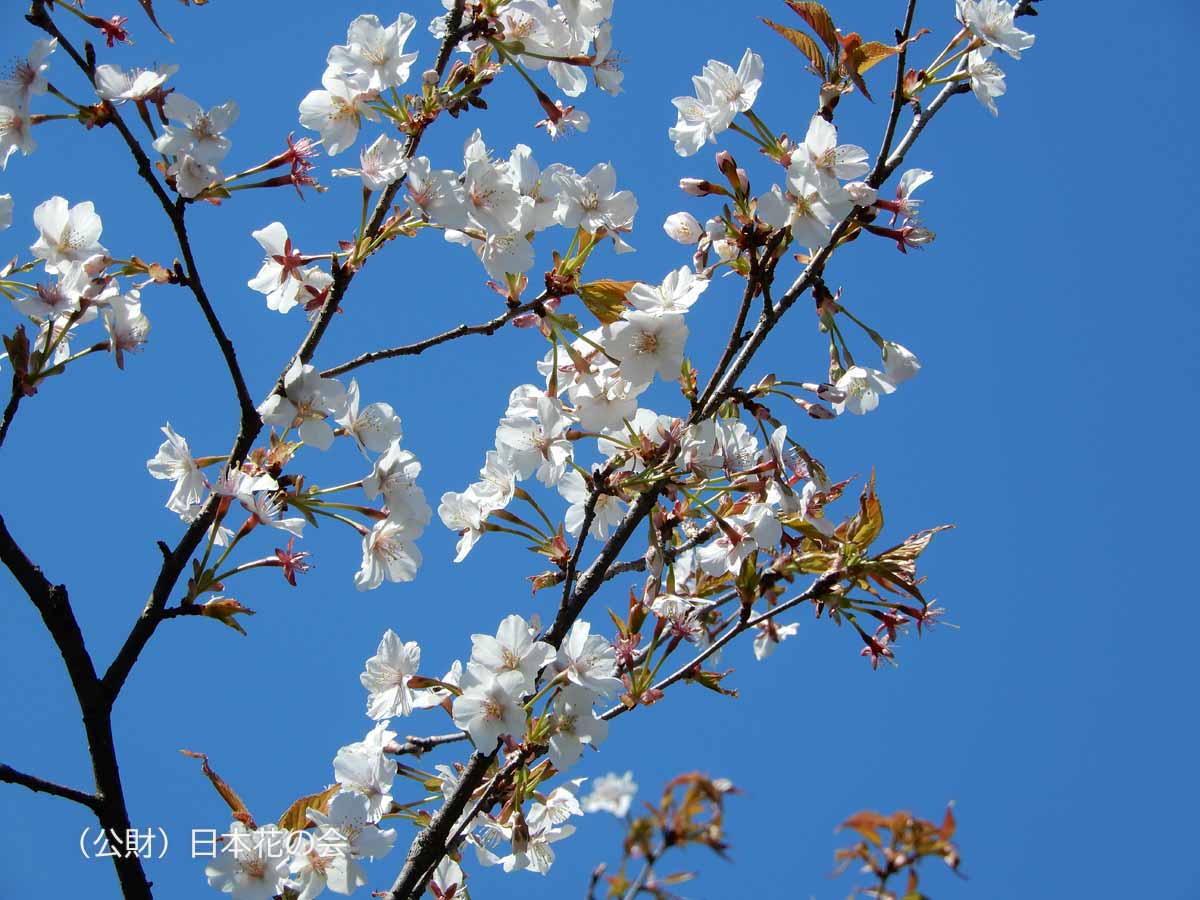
x=862 y=389
x=174 y=462
x=375 y=53
x=388 y=553
x=197 y=133
x=387 y=675
x=491 y=707
x=611 y=793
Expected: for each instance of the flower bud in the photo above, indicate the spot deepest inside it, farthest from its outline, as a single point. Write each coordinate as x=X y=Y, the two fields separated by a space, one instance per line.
x=698 y=187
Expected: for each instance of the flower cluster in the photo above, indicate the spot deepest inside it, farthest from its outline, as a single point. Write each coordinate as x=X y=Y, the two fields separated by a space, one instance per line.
x=18 y=86
x=81 y=284
x=312 y=406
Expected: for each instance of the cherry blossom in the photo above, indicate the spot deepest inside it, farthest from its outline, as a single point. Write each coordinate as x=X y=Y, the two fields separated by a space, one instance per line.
x=609 y=510
x=683 y=228
x=127 y=326
x=575 y=724
x=253 y=864
x=611 y=793
x=199 y=134
x=740 y=536
x=592 y=202
x=337 y=111
x=6 y=211
x=15 y=133
x=193 y=176
x=307 y=400
x=676 y=294
x=821 y=154
x=646 y=345
x=375 y=53
x=278 y=277
x=589 y=660
x=560 y=804
x=117 y=85
x=987 y=78
x=387 y=675
x=721 y=93
x=388 y=553
x=28 y=76
x=899 y=363
x=461 y=513
x=770 y=636
x=374 y=428
x=513 y=649
x=992 y=21
x=530 y=446
x=862 y=388
x=66 y=234
x=174 y=462
x=350 y=826
x=381 y=164
x=365 y=768
x=491 y=707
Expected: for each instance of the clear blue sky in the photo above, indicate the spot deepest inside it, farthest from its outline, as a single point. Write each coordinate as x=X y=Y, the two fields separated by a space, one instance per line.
x=1053 y=423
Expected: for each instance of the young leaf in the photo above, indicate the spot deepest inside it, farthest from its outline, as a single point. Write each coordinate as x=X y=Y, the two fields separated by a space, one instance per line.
x=804 y=44
x=148 y=6
x=295 y=818
x=605 y=299
x=228 y=794
x=817 y=16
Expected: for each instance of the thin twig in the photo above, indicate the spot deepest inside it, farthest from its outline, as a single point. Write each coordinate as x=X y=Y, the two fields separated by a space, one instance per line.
x=13 y=776
x=485 y=328
x=898 y=94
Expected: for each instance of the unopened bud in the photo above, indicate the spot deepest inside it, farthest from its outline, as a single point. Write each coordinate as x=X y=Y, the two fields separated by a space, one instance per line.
x=698 y=187
x=430 y=77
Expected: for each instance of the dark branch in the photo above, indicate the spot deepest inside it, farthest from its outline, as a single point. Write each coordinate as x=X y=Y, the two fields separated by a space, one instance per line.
x=10 y=411
x=889 y=133
x=485 y=328
x=12 y=776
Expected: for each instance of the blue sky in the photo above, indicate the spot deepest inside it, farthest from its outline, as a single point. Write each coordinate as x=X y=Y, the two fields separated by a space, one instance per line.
x=1053 y=423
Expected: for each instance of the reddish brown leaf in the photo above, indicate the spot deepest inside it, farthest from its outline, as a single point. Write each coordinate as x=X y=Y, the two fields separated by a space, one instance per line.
x=803 y=43
x=818 y=18
x=228 y=794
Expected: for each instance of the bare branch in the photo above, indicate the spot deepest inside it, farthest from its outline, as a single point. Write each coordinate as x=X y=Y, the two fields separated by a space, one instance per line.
x=485 y=328
x=889 y=133
x=10 y=411
x=12 y=776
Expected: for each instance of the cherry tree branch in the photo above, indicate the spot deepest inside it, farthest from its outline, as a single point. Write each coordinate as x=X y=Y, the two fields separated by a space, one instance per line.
x=820 y=586
x=10 y=410
x=177 y=559
x=418 y=745
x=13 y=776
x=39 y=17
x=889 y=133
x=484 y=328
x=595 y=575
